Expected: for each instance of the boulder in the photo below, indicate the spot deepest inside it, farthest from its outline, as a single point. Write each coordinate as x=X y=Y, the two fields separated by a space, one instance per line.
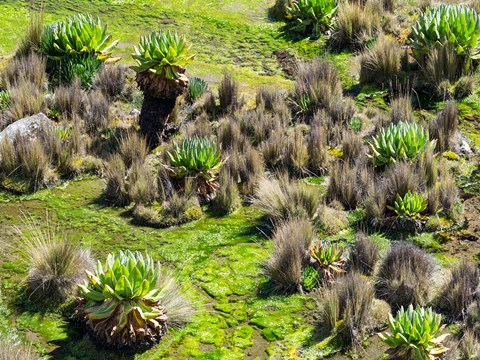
x=460 y=144
x=28 y=127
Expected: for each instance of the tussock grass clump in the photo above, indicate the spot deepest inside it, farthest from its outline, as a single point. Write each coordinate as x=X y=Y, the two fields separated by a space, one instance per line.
x=401 y=109
x=269 y=97
x=317 y=86
x=317 y=149
x=229 y=93
x=273 y=150
x=297 y=152
x=291 y=241
x=402 y=179
x=141 y=185
x=30 y=42
x=96 y=114
x=352 y=146
x=459 y=290
x=356 y=25
x=441 y=69
x=405 y=276
x=444 y=126
x=365 y=254
x=132 y=148
x=26 y=99
x=30 y=68
x=55 y=264
x=229 y=135
x=227 y=199
x=33 y=161
x=343 y=184
x=246 y=167
x=12 y=348
x=464 y=87
x=110 y=80
x=381 y=63
x=114 y=175
x=282 y=198
x=349 y=304
x=178 y=207
x=69 y=100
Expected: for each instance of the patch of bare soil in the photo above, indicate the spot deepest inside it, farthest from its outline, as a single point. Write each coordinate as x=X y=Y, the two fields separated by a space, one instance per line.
x=287 y=62
x=465 y=243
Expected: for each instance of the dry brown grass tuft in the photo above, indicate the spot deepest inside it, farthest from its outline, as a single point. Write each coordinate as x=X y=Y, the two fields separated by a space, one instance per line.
x=55 y=264
x=291 y=241
x=110 y=80
x=349 y=304
x=356 y=25
x=132 y=148
x=365 y=254
x=69 y=99
x=227 y=199
x=381 y=63
x=282 y=199
x=229 y=93
x=96 y=113
x=459 y=290
x=26 y=99
x=405 y=276
x=444 y=126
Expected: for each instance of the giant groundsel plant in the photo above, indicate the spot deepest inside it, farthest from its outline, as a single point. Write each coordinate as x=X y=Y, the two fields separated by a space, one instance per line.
x=123 y=300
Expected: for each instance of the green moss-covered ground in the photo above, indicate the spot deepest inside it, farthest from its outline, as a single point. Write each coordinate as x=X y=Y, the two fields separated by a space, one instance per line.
x=218 y=260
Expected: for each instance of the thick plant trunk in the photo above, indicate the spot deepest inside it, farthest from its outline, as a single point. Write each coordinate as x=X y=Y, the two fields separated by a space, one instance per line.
x=153 y=118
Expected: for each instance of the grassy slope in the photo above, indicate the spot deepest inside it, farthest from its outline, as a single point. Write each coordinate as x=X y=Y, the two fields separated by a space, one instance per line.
x=233 y=35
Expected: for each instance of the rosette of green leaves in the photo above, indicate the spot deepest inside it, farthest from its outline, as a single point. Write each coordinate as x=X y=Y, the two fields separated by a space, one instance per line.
x=328 y=259
x=411 y=205
x=457 y=25
x=402 y=141
x=415 y=334
x=196 y=156
x=4 y=100
x=196 y=88
x=163 y=53
x=312 y=17
x=310 y=278
x=77 y=35
x=123 y=299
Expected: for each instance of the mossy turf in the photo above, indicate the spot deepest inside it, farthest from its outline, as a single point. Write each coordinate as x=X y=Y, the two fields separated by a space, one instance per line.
x=218 y=261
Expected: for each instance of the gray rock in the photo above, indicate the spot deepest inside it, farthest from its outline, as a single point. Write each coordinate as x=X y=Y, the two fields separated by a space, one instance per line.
x=461 y=144
x=28 y=127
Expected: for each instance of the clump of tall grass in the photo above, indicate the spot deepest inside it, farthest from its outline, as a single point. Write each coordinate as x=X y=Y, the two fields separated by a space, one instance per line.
x=356 y=24
x=282 y=199
x=110 y=80
x=229 y=93
x=445 y=125
x=11 y=348
x=459 y=290
x=381 y=63
x=365 y=254
x=346 y=308
x=227 y=199
x=56 y=265
x=291 y=241
x=405 y=276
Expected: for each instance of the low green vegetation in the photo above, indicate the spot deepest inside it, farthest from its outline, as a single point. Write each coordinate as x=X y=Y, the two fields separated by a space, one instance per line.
x=230 y=218
x=416 y=333
x=401 y=141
